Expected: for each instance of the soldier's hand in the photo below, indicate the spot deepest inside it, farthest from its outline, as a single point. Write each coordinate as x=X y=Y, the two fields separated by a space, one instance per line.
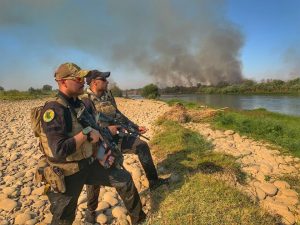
x=107 y=158
x=142 y=129
x=95 y=136
x=113 y=129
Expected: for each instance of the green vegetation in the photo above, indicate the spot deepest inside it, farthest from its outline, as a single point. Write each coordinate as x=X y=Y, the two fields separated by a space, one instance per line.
x=245 y=87
x=116 y=91
x=150 y=91
x=199 y=195
x=279 y=129
x=32 y=93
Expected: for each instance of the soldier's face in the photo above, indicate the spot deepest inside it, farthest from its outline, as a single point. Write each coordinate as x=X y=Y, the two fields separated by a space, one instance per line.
x=75 y=87
x=101 y=84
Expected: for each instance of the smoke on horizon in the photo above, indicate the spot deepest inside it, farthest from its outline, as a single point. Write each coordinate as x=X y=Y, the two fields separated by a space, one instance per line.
x=174 y=42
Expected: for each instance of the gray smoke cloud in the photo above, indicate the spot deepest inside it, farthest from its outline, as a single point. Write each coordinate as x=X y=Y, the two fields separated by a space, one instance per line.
x=174 y=42
x=185 y=49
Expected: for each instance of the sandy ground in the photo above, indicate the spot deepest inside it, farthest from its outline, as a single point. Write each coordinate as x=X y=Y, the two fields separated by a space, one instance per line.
x=21 y=202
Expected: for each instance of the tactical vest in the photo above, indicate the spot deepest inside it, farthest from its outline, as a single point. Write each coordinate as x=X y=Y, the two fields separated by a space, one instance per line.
x=84 y=151
x=103 y=105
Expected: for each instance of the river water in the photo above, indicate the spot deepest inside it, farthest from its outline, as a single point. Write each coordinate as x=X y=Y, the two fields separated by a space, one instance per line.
x=282 y=104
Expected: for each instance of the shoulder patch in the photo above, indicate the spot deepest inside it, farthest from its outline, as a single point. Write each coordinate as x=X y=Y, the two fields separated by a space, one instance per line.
x=48 y=115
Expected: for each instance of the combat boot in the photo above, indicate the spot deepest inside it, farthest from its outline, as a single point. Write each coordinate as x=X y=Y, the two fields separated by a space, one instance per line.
x=153 y=184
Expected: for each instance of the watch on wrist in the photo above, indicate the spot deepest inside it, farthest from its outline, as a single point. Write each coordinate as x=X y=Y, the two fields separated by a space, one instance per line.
x=86 y=130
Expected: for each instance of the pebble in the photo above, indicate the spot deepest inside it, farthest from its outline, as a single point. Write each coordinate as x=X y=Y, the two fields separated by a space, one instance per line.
x=38 y=191
x=281 y=184
x=8 y=204
x=101 y=218
x=260 y=193
x=110 y=200
x=119 y=212
x=22 y=218
x=102 y=206
x=26 y=191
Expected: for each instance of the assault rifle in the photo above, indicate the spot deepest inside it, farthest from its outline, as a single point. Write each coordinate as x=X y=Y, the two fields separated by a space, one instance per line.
x=86 y=120
x=125 y=125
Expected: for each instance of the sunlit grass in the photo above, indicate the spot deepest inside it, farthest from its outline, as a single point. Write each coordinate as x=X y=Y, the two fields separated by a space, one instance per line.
x=201 y=195
x=279 y=129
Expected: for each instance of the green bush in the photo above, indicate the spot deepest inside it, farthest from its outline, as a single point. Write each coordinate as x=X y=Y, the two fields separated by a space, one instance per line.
x=150 y=91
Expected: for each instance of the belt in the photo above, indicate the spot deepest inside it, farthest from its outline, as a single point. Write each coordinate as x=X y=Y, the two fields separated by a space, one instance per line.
x=84 y=163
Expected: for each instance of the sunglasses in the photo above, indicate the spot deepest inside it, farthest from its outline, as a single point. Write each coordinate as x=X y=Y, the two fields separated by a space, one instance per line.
x=76 y=79
x=103 y=79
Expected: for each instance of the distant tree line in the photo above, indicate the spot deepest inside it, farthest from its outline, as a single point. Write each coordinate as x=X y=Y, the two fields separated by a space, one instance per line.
x=269 y=86
x=31 y=93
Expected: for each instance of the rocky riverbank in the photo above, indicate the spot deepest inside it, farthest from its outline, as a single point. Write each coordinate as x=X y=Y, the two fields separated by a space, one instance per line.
x=21 y=202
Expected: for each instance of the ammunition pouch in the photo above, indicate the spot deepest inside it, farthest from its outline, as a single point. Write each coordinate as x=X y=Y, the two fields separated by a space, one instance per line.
x=53 y=176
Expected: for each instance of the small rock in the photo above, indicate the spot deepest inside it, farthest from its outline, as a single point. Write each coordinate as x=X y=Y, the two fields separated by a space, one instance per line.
x=287 y=217
x=8 y=204
x=82 y=199
x=38 y=191
x=136 y=174
x=260 y=193
x=268 y=188
x=110 y=200
x=22 y=218
x=281 y=184
x=26 y=191
x=102 y=206
x=123 y=221
x=8 y=190
x=101 y=218
x=47 y=218
x=119 y=212
x=229 y=132
x=289 y=192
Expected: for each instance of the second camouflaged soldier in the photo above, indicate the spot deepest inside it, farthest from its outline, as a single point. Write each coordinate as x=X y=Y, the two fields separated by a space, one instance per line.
x=105 y=103
x=67 y=145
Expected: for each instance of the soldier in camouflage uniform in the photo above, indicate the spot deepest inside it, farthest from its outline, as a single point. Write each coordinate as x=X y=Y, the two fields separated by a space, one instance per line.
x=65 y=144
x=104 y=102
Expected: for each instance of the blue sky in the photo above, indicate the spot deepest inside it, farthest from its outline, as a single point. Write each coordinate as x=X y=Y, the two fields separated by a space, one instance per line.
x=161 y=41
x=271 y=29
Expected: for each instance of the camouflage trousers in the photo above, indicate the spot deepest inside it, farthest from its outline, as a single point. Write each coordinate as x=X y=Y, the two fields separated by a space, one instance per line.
x=129 y=145
x=63 y=206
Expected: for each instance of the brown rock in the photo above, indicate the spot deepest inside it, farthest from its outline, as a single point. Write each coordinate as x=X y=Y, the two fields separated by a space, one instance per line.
x=260 y=193
x=26 y=191
x=38 y=191
x=22 y=218
x=101 y=218
x=102 y=206
x=268 y=188
x=281 y=184
x=110 y=200
x=119 y=212
x=287 y=217
x=289 y=192
x=8 y=204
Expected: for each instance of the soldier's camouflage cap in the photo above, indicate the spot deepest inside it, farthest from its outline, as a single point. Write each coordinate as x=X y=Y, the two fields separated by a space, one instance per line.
x=69 y=70
x=96 y=74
